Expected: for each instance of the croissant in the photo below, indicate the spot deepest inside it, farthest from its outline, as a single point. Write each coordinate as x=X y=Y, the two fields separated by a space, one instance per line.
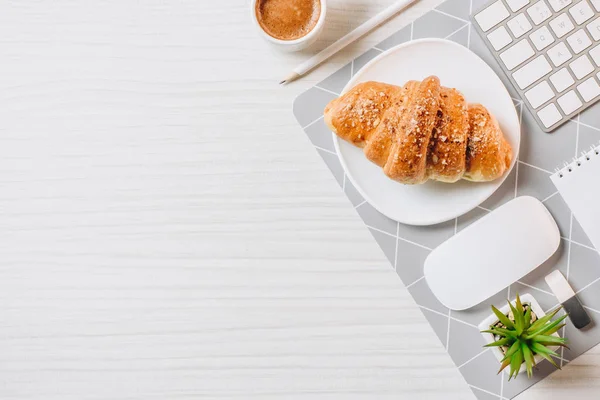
x=421 y=131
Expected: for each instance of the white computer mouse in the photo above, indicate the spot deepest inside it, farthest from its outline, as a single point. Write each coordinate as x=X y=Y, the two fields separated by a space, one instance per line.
x=492 y=253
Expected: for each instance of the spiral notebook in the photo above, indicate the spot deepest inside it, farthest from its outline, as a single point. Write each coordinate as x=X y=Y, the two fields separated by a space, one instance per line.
x=577 y=183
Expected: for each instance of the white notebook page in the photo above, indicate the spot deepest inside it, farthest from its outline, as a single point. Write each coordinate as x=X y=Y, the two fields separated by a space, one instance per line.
x=579 y=185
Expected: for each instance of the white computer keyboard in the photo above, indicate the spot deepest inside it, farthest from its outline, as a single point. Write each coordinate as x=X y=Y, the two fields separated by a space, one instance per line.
x=549 y=50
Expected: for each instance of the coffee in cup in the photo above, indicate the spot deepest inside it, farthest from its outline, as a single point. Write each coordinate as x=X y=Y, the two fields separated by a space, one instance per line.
x=287 y=19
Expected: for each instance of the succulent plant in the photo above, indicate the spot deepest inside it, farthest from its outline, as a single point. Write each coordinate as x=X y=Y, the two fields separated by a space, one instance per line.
x=522 y=337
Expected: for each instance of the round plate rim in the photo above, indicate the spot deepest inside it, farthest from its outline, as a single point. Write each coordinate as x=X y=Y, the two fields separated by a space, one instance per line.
x=424 y=221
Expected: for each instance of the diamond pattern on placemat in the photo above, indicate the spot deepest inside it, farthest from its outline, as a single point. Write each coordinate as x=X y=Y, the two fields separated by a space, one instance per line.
x=402 y=36
x=435 y=24
x=560 y=211
x=409 y=261
x=320 y=135
x=505 y=193
x=456 y=8
x=336 y=82
x=470 y=217
x=475 y=315
x=362 y=60
x=460 y=36
x=580 y=341
x=387 y=243
x=588 y=136
x=353 y=195
x=481 y=395
x=333 y=162
x=590 y=117
x=465 y=342
x=428 y=236
x=533 y=181
x=584 y=266
x=439 y=323
x=559 y=260
x=482 y=373
x=422 y=294
x=308 y=107
x=522 y=382
x=375 y=219
x=406 y=247
x=547 y=151
x=578 y=235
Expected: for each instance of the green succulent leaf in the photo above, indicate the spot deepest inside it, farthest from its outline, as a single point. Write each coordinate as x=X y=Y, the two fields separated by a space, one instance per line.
x=512 y=350
x=550 y=340
x=529 y=360
x=503 y=318
x=550 y=344
x=518 y=319
x=555 y=329
x=540 y=349
x=504 y=364
x=501 y=342
x=546 y=328
x=547 y=354
x=515 y=363
x=502 y=332
x=527 y=318
x=543 y=321
x=523 y=340
x=519 y=305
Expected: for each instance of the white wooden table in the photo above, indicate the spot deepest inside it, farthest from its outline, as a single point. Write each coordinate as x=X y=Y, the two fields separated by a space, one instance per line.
x=168 y=232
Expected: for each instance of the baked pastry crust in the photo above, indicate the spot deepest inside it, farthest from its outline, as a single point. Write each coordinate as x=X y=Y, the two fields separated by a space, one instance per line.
x=446 y=159
x=421 y=131
x=488 y=152
x=380 y=143
x=407 y=162
x=355 y=115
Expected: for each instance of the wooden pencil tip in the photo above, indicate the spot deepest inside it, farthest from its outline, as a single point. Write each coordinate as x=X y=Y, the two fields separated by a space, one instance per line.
x=290 y=78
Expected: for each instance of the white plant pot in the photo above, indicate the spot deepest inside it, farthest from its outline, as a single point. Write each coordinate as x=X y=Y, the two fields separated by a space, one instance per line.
x=492 y=320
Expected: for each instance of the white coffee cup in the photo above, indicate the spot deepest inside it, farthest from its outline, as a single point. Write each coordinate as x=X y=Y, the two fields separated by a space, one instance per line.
x=296 y=44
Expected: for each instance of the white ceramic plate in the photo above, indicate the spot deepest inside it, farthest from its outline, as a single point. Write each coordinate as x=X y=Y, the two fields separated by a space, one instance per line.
x=458 y=67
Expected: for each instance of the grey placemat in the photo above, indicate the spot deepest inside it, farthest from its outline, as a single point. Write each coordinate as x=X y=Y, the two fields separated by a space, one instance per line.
x=407 y=246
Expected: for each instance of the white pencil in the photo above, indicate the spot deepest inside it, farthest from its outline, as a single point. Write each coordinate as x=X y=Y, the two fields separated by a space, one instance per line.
x=346 y=40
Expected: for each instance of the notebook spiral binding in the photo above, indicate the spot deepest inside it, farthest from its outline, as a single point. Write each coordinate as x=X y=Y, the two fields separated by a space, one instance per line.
x=578 y=161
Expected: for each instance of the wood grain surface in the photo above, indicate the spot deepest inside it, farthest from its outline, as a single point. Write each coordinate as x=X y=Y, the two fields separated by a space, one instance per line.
x=168 y=231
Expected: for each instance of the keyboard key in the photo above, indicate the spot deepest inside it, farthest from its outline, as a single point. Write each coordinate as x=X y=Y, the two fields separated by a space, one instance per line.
x=596 y=4
x=549 y=115
x=594 y=28
x=589 y=89
x=539 y=12
x=562 y=25
x=542 y=38
x=559 y=54
x=492 y=16
x=595 y=53
x=516 y=5
x=581 y=12
x=579 y=41
x=581 y=67
x=558 y=5
x=539 y=94
x=561 y=80
x=499 y=38
x=569 y=102
x=532 y=71
x=517 y=54
x=519 y=25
